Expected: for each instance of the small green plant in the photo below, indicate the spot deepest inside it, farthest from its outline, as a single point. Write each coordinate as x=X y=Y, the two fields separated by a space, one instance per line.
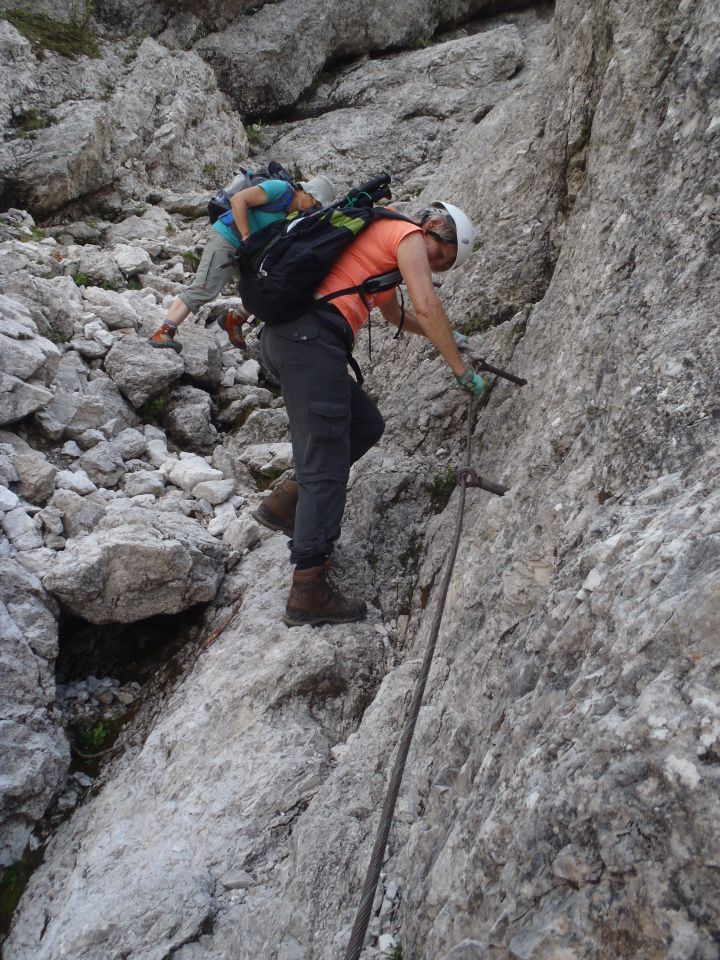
x=72 y=39
x=13 y=881
x=170 y=230
x=35 y=234
x=210 y=171
x=57 y=337
x=476 y=323
x=134 y=284
x=397 y=952
x=518 y=330
x=83 y=280
x=411 y=555
x=191 y=261
x=441 y=488
x=152 y=410
x=29 y=122
x=135 y=42
x=255 y=133
x=91 y=739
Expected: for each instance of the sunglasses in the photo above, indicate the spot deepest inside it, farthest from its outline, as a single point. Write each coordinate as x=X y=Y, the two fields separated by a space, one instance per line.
x=436 y=236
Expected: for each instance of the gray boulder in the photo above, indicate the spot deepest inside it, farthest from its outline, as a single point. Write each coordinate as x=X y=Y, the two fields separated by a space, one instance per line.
x=188 y=419
x=140 y=371
x=18 y=399
x=201 y=354
x=103 y=463
x=138 y=563
x=264 y=79
x=27 y=363
x=80 y=404
x=35 y=474
x=80 y=514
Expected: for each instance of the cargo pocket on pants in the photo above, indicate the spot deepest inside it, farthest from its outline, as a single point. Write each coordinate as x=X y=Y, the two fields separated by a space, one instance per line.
x=331 y=419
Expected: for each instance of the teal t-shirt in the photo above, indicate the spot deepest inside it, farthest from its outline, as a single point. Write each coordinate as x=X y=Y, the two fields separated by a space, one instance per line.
x=279 y=196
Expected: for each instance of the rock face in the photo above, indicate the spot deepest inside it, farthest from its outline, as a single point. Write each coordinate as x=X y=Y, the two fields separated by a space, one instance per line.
x=35 y=751
x=140 y=108
x=561 y=795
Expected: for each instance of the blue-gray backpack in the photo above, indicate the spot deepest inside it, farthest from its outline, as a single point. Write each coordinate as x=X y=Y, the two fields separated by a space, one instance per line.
x=220 y=203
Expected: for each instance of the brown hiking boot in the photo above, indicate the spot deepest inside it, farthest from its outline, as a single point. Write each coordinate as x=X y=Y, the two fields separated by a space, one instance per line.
x=164 y=338
x=278 y=510
x=314 y=599
x=232 y=324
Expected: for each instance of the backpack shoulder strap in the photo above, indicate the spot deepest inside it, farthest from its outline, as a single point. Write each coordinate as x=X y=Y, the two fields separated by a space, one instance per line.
x=382 y=213
x=281 y=204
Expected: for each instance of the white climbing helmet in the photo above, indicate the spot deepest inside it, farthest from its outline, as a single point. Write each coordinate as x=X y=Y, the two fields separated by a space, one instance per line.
x=463 y=228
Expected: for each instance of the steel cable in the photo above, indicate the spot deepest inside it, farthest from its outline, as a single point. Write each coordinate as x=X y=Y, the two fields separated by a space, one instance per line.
x=362 y=918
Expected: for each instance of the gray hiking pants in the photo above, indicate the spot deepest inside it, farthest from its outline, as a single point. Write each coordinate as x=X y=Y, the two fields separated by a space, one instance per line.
x=216 y=268
x=333 y=422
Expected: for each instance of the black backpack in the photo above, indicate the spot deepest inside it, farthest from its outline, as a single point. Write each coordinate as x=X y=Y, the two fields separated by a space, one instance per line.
x=282 y=265
x=220 y=203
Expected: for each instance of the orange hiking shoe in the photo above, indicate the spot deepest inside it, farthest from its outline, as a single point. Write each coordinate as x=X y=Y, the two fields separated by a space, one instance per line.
x=164 y=338
x=232 y=323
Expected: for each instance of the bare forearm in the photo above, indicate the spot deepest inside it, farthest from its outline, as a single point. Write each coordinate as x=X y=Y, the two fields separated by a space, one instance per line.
x=410 y=324
x=434 y=325
x=239 y=209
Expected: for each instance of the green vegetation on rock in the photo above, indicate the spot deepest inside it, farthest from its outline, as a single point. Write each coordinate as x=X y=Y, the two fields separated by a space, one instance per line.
x=72 y=39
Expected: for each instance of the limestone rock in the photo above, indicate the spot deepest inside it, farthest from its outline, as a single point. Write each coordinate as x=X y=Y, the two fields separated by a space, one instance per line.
x=268 y=82
x=80 y=404
x=560 y=797
x=23 y=353
x=99 y=265
x=80 y=514
x=215 y=491
x=35 y=751
x=136 y=564
x=145 y=481
x=267 y=458
x=18 y=399
x=35 y=474
x=190 y=470
x=140 y=371
x=188 y=418
x=131 y=259
x=103 y=464
x=242 y=533
x=201 y=354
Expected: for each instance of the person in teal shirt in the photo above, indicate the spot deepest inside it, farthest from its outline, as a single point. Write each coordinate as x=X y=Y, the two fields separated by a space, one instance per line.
x=250 y=210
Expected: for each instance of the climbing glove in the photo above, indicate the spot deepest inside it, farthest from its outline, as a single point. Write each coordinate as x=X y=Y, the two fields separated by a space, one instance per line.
x=470 y=382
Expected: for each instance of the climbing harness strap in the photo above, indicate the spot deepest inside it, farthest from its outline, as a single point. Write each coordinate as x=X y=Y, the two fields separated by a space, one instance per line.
x=466 y=476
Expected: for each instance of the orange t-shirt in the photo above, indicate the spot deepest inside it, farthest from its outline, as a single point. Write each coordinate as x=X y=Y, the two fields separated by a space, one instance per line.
x=374 y=252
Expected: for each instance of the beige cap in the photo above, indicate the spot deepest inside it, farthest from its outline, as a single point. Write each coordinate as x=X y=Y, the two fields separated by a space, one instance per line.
x=321 y=188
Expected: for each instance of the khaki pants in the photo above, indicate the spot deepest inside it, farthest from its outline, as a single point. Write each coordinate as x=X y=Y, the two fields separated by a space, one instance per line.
x=216 y=269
